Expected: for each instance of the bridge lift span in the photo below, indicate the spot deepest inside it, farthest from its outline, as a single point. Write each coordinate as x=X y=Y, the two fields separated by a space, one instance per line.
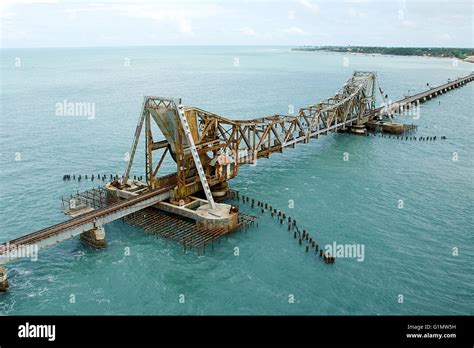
x=208 y=149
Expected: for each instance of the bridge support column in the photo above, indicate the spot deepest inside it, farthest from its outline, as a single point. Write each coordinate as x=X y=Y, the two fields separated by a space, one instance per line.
x=95 y=237
x=3 y=279
x=359 y=129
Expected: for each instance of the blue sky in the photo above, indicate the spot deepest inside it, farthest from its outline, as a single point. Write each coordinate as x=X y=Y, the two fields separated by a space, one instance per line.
x=61 y=23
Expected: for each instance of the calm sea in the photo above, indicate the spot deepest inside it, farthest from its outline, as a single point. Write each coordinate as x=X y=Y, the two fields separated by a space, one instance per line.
x=421 y=254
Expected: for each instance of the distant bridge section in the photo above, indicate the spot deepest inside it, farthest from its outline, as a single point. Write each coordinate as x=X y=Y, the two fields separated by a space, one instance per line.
x=410 y=101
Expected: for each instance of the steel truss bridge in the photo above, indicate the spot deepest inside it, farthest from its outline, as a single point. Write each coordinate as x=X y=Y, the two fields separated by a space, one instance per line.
x=208 y=150
x=236 y=142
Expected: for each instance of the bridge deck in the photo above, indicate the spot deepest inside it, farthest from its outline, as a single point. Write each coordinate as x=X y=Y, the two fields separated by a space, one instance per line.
x=420 y=97
x=71 y=228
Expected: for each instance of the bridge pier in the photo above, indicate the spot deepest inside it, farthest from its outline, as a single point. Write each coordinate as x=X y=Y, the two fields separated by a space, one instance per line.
x=95 y=237
x=3 y=279
x=359 y=129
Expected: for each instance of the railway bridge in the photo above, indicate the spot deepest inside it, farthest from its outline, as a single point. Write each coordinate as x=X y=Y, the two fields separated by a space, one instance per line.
x=208 y=150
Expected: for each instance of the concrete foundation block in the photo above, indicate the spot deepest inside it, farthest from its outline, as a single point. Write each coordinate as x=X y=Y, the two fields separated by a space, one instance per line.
x=95 y=238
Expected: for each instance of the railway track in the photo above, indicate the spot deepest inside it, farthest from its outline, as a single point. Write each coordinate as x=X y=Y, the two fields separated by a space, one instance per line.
x=61 y=227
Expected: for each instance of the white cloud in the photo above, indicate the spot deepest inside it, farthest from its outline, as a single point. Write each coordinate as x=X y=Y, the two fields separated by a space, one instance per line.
x=353 y=13
x=184 y=26
x=39 y=23
x=6 y=5
x=248 y=31
x=310 y=6
x=7 y=15
x=177 y=13
x=408 y=24
x=296 y=30
x=159 y=14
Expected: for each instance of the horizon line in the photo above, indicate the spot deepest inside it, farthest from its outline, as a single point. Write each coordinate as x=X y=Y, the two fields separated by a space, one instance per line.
x=226 y=45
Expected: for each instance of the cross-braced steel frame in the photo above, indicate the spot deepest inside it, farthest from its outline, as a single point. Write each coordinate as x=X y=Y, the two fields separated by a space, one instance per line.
x=243 y=141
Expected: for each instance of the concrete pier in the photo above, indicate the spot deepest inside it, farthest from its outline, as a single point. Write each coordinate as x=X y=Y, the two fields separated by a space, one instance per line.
x=3 y=279
x=95 y=237
x=359 y=129
x=222 y=217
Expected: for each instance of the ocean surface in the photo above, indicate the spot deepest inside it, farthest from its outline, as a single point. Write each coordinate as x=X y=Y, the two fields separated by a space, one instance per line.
x=408 y=251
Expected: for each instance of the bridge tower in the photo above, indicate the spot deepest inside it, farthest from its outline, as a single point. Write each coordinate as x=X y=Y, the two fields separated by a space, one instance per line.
x=182 y=142
x=364 y=102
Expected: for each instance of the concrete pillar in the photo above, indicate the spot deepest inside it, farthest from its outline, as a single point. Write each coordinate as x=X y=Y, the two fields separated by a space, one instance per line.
x=358 y=129
x=95 y=237
x=3 y=279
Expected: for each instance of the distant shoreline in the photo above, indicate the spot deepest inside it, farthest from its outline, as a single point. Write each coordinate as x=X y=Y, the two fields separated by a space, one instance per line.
x=464 y=54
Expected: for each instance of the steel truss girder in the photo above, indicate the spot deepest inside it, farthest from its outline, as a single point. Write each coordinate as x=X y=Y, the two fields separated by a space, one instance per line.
x=353 y=103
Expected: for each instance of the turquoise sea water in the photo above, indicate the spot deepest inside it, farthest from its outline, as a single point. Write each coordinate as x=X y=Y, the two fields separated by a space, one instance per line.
x=408 y=251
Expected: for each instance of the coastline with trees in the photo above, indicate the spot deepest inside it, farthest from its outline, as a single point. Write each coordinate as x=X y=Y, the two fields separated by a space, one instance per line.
x=466 y=54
